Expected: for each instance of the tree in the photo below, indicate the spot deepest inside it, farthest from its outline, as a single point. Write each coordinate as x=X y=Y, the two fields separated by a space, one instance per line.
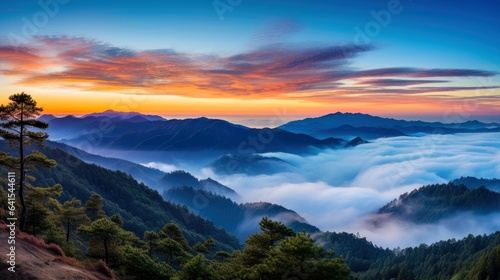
x=117 y=219
x=17 y=117
x=197 y=268
x=37 y=211
x=487 y=266
x=173 y=231
x=298 y=258
x=72 y=214
x=173 y=251
x=209 y=243
x=94 y=207
x=151 y=237
x=279 y=253
x=138 y=264
x=200 y=247
x=103 y=230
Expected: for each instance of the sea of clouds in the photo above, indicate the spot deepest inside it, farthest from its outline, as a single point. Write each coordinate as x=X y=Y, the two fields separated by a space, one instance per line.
x=341 y=189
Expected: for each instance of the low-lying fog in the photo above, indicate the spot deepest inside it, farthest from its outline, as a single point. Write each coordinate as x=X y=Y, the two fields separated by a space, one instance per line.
x=337 y=190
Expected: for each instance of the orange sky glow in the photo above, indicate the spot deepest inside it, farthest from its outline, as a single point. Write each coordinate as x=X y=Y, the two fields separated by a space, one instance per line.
x=77 y=77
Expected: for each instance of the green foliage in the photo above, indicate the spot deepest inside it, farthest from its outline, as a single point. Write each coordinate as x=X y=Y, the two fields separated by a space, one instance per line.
x=71 y=215
x=17 y=118
x=140 y=207
x=488 y=266
x=279 y=253
x=174 y=232
x=200 y=248
x=117 y=219
x=441 y=260
x=228 y=214
x=103 y=230
x=94 y=207
x=172 y=251
x=298 y=258
x=151 y=237
x=358 y=253
x=198 y=268
x=434 y=202
x=137 y=263
x=38 y=214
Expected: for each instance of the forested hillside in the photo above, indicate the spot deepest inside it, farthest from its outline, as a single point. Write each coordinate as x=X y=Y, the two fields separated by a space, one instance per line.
x=434 y=202
x=239 y=219
x=141 y=207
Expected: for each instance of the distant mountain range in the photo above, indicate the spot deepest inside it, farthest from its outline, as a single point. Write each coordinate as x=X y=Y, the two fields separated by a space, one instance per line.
x=250 y=164
x=146 y=175
x=137 y=133
x=181 y=178
x=135 y=116
x=153 y=178
x=349 y=125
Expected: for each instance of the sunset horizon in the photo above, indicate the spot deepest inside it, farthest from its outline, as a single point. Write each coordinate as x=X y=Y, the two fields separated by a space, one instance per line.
x=233 y=64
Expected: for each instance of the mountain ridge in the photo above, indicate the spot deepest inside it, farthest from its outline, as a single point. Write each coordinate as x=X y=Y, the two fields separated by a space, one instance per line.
x=341 y=124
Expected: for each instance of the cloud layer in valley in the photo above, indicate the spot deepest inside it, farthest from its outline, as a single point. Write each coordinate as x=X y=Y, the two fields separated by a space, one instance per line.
x=339 y=189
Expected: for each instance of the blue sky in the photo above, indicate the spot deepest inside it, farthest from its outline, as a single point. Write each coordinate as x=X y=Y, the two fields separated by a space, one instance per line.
x=419 y=34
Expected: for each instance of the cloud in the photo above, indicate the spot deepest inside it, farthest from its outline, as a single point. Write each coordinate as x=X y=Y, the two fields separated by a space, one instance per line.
x=161 y=166
x=338 y=190
x=276 y=30
x=422 y=73
x=398 y=82
x=406 y=234
x=306 y=71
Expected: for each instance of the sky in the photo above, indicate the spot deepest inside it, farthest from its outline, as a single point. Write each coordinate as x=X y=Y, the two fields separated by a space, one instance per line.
x=251 y=61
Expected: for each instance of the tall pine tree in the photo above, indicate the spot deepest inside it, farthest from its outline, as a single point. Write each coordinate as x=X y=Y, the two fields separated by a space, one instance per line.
x=17 y=118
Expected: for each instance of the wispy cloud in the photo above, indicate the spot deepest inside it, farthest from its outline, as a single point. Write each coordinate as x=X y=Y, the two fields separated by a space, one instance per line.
x=276 y=30
x=398 y=82
x=275 y=71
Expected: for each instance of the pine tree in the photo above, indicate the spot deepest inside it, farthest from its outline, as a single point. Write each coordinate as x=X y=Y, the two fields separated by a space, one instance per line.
x=38 y=213
x=103 y=230
x=17 y=117
x=151 y=237
x=72 y=214
x=197 y=268
x=173 y=231
x=94 y=207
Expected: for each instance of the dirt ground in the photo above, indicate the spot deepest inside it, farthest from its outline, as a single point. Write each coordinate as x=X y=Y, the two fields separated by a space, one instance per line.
x=34 y=262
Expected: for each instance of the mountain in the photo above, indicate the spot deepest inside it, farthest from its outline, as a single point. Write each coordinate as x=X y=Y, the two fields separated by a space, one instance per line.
x=434 y=202
x=148 y=176
x=473 y=183
x=251 y=164
x=181 y=178
x=239 y=219
x=141 y=207
x=358 y=252
x=447 y=259
x=366 y=132
x=125 y=115
x=46 y=118
x=355 y=142
x=370 y=127
x=189 y=135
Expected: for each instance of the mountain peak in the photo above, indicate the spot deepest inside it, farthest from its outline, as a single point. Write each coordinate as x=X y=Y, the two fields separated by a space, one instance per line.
x=124 y=115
